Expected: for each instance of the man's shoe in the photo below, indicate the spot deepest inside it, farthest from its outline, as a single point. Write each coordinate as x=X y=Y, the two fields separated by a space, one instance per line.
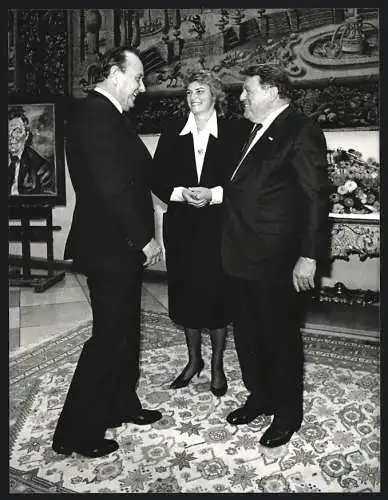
x=276 y=435
x=245 y=415
x=99 y=448
x=142 y=417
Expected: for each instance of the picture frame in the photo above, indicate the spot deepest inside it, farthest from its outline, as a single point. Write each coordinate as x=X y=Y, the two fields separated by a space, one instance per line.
x=36 y=154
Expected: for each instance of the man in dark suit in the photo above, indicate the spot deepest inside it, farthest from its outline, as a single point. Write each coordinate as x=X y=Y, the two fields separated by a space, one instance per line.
x=275 y=231
x=111 y=240
x=28 y=172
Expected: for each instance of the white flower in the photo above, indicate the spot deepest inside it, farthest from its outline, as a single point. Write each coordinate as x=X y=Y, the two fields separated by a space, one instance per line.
x=338 y=208
x=342 y=189
x=350 y=186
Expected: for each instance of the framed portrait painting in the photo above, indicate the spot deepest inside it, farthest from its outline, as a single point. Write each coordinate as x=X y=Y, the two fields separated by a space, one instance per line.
x=36 y=166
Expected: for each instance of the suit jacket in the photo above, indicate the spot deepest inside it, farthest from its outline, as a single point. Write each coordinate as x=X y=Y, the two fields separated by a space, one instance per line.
x=192 y=235
x=277 y=203
x=36 y=174
x=109 y=167
x=174 y=159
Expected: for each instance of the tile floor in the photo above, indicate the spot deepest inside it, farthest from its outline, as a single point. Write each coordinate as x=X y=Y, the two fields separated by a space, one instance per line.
x=34 y=317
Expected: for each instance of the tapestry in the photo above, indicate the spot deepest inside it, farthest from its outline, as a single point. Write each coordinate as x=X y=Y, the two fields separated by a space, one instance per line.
x=330 y=54
x=192 y=449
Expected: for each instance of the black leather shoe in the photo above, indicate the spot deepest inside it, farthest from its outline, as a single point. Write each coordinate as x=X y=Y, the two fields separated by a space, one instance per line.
x=142 y=417
x=182 y=381
x=276 y=435
x=99 y=448
x=245 y=415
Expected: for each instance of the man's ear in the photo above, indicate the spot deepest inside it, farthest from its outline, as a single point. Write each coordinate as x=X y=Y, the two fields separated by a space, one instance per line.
x=113 y=72
x=273 y=93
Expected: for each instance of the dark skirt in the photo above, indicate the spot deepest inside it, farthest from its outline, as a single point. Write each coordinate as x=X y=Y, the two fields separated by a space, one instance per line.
x=197 y=285
x=199 y=305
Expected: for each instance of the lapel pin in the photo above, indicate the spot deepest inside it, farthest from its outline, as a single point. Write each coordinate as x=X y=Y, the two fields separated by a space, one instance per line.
x=270 y=138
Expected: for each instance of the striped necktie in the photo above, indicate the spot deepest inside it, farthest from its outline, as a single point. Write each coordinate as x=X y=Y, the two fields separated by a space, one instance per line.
x=252 y=135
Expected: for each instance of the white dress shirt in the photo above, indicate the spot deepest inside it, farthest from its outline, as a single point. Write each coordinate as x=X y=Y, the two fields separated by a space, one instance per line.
x=200 y=141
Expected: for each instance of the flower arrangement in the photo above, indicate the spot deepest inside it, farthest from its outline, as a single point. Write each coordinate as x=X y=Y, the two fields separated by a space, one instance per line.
x=354 y=182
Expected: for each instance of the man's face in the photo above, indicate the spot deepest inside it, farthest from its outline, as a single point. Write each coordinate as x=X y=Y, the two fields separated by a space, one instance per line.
x=130 y=82
x=199 y=98
x=256 y=98
x=17 y=136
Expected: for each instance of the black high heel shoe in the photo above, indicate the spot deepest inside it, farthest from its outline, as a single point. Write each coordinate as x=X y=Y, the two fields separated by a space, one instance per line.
x=219 y=391
x=180 y=381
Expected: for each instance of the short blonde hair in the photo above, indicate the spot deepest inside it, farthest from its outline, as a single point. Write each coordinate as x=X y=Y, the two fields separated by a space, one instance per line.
x=216 y=88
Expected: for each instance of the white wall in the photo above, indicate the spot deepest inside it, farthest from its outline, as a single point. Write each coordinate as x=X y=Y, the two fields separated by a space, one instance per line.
x=354 y=274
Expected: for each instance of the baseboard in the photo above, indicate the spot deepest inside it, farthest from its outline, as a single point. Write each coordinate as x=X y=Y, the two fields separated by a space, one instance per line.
x=353 y=321
x=337 y=331
x=66 y=265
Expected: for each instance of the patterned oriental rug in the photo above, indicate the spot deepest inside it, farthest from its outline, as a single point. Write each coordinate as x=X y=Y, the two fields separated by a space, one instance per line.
x=192 y=449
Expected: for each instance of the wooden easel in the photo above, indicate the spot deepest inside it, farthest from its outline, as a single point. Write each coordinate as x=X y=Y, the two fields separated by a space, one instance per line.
x=27 y=234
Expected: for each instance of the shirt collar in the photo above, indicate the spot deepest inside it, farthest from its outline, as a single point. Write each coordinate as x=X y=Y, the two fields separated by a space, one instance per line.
x=16 y=157
x=270 y=118
x=211 y=126
x=109 y=96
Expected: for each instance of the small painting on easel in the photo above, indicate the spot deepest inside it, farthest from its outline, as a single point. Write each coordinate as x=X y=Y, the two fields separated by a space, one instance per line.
x=35 y=155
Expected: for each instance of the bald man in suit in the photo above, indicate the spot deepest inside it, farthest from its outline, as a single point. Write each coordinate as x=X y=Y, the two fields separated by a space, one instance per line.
x=111 y=240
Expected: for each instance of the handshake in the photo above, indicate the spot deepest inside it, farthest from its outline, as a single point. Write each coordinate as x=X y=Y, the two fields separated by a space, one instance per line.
x=197 y=196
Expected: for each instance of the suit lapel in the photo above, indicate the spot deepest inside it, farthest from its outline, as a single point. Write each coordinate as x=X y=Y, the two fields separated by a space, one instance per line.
x=265 y=147
x=188 y=159
x=211 y=150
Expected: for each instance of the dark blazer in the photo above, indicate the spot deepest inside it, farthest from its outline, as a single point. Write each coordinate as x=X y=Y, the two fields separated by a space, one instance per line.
x=192 y=235
x=36 y=174
x=109 y=167
x=277 y=203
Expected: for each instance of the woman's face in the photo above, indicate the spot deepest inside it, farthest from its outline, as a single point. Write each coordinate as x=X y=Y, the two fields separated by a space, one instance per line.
x=199 y=98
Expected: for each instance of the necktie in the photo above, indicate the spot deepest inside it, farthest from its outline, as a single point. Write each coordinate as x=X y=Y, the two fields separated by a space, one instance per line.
x=11 y=172
x=252 y=135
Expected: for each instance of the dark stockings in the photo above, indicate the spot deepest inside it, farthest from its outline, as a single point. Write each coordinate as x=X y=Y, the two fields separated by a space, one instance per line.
x=218 y=340
x=193 y=341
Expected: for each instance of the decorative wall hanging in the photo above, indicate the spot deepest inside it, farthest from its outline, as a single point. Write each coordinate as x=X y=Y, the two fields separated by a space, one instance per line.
x=330 y=54
x=38 y=54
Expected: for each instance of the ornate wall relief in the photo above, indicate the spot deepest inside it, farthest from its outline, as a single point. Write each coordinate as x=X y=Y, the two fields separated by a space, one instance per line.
x=39 y=46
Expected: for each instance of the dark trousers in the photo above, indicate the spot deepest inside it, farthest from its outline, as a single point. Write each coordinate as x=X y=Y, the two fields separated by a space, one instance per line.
x=103 y=387
x=269 y=345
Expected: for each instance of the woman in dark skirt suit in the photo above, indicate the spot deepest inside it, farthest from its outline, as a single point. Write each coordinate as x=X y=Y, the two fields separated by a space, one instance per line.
x=193 y=160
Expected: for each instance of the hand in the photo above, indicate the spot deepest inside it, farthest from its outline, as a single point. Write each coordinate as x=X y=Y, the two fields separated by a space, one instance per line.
x=192 y=198
x=153 y=252
x=202 y=193
x=303 y=274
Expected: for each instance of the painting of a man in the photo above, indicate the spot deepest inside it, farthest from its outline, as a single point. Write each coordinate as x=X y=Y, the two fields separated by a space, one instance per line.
x=29 y=173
